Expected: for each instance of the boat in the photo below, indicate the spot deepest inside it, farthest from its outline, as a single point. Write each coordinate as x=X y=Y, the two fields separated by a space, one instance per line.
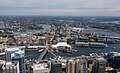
x=40 y=50
x=82 y=44
x=91 y=44
x=99 y=50
x=66 y=50
x=97 y=45
x=114 y=47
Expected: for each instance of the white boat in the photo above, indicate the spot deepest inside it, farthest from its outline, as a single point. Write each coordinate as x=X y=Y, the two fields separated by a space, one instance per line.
x=40 y=50
x=91 y=44
x=82 y=44
x=96 y=44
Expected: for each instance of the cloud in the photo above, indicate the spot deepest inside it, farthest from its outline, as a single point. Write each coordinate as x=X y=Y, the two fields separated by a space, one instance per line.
x=60 y=7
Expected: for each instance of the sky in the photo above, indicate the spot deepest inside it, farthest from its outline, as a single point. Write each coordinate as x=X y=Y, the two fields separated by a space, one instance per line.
x=60 y=7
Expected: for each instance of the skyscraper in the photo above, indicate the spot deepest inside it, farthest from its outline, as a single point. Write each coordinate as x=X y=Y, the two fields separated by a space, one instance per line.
x=16 y=54
x=70 y=66
x=1 y=64
x=81 y=66
x=11 y=67
x=99 y=65
x=8 y=56
x=19 y=56
x=56 y=67
x=114 y=60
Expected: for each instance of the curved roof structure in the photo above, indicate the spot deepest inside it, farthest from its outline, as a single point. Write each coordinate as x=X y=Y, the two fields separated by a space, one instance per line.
x=61 y=44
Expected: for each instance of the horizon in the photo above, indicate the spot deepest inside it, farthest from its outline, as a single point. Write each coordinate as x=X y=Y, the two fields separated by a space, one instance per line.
x=58 y=16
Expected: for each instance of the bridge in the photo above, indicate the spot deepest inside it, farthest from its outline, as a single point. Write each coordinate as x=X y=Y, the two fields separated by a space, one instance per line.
x=43 y=54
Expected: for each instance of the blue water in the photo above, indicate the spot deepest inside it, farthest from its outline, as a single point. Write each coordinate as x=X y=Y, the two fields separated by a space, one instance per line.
x=29 y=31
x=101 y=31
x=83 y=50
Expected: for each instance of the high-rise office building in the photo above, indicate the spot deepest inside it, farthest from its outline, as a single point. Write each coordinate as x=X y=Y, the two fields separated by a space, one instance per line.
x=1 y=64
x=8 y=56
x=41 y=68
x=56 y=67
x=81 y=66
x=11 y=67
x=70 y=66
x=1 y=68
x=63 y=62
x=19 y=56
x=99 y=65
x=77 y=66
x=16 y=54
x=114 y=60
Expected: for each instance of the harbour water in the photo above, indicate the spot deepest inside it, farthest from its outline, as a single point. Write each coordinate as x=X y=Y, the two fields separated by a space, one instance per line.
x=101 y=31
x=83 y=50
x=29 y=31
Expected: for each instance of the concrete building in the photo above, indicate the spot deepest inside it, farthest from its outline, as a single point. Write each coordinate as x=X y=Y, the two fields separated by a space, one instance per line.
x=8 y=56
x=56 y=67
x=41 y=68
x=70 y=66
x=16 y=54
x=42 y=40
x=81 y=66
x=114 y=59
x=99 y=65
x=1 y=64
x=11 y=67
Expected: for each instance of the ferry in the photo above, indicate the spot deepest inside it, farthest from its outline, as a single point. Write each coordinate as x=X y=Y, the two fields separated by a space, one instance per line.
x=40 y=50
x=65 y=50
x=97 y=45
x=82 y=44
x=91 y=44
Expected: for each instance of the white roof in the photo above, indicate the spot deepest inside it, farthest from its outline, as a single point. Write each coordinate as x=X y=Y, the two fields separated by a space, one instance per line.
x=116 y=53
x=36 y=46
x=80 y=29
x=12 y=49
x=40 y=66
x=63 y=44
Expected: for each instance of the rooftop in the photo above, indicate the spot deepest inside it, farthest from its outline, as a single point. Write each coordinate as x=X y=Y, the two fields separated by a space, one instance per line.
x=64 y=44
x=2 y=62
x=40 y=66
